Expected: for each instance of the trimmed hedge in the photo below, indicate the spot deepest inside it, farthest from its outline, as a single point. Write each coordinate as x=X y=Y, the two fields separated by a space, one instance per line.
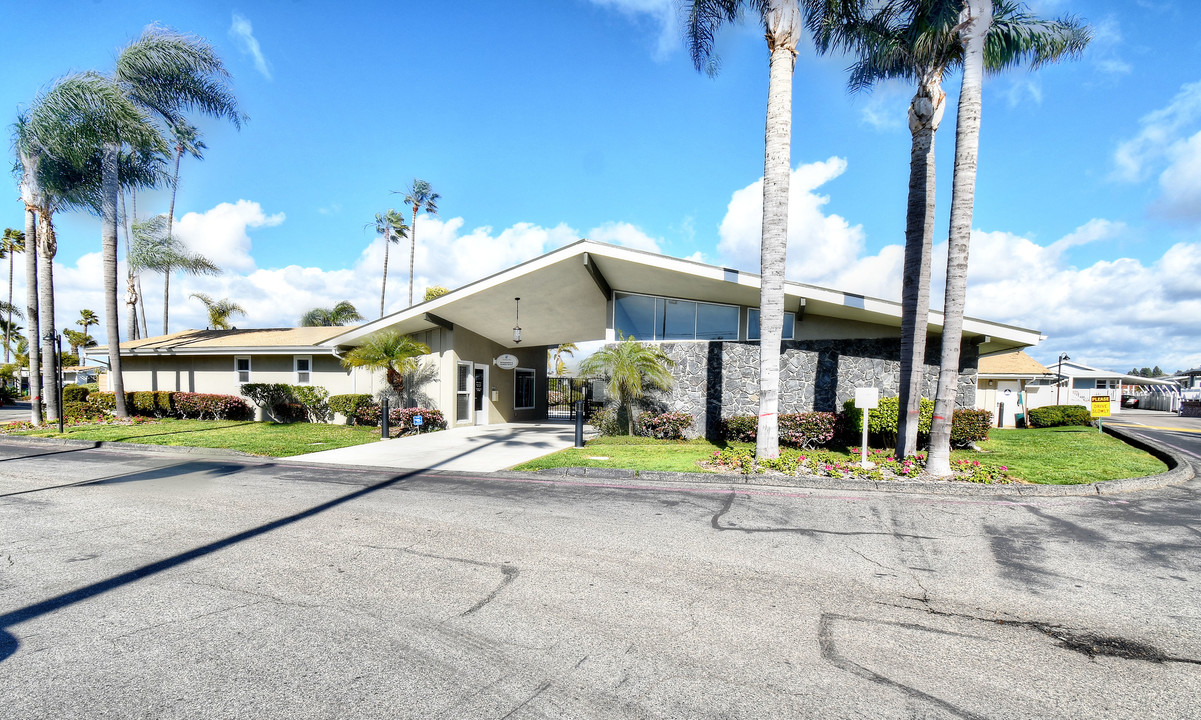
x=1058 y=415
x=802 y=430
x=76 y=411
x=882 y=422
x=202 y=406
x=665 y=426
x=74 y=393
x=349 y=404
x=970 y=426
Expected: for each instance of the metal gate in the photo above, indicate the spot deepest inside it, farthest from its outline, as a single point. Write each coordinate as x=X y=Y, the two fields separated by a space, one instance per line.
x=563 y=392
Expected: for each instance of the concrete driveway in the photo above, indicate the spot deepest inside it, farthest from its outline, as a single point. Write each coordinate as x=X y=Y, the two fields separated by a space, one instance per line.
x=480 y=448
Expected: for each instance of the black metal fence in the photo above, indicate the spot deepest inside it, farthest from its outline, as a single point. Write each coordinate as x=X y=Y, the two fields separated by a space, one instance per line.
x=563 y=392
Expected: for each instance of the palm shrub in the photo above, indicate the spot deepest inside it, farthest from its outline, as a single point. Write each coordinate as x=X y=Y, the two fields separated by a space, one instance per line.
x=391 y=352
x=629 y=366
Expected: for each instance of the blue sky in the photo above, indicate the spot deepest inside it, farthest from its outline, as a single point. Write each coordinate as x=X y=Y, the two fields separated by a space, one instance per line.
x=542 y=122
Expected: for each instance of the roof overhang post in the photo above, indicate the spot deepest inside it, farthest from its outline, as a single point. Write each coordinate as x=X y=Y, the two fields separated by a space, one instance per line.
x=440 y=322
x=597 y=277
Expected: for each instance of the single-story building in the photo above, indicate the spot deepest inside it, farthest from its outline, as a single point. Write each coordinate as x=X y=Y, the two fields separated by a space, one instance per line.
x=1001 y=383
x=1074 y=383
x=488 y=340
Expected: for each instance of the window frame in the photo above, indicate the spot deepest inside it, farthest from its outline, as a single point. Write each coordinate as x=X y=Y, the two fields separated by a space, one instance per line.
x=750 y=310
x=296 y=369
x=517 y=372
x=238 y=371
x=665 y=298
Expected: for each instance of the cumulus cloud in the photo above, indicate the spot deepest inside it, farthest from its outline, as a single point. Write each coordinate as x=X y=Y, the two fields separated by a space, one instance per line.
x=242 y=32
x=622 y=233
x=221 y=234
x=1114 y=313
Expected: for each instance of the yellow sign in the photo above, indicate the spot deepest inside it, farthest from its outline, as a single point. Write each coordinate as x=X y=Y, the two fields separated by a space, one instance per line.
x=1100 y=406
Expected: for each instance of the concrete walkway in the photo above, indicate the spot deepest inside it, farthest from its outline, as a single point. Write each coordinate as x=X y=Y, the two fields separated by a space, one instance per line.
x=482 y=448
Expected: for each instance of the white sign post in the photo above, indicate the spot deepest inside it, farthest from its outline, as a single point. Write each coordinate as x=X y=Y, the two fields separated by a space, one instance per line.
x=866 y=399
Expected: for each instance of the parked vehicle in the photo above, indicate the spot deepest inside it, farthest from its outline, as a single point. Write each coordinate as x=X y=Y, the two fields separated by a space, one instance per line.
x=1129 y=401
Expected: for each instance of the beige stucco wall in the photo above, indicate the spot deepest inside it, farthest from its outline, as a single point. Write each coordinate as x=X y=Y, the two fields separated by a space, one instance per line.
x=467 y=346
x=216 y=374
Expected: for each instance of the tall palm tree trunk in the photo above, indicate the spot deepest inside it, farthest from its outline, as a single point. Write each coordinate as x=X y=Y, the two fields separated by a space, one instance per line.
x=925 y=113
x=131 y=296
x=108 y=242
x=783 y=32
x=412 y=252
x=31 y=310
x=384 y=287
x=975 y=19
x=170 y=227
x=9 y=325
x=49 y=247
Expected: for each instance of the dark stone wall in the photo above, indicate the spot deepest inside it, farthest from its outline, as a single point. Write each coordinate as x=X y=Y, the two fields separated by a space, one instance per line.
x=720 y=379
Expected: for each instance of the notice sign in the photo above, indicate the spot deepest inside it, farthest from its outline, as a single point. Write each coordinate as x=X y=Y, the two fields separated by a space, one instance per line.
x=867 y=398
x=506 y=361
x=1100 y=406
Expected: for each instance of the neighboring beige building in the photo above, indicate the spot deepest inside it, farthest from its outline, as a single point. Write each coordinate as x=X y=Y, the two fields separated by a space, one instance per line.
x=1001 y=385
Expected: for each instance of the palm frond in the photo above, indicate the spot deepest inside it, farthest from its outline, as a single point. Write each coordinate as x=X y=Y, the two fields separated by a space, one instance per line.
x=153 y=249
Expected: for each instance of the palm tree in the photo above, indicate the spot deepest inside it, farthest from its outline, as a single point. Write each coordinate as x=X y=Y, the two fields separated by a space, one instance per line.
x=782 y=23
x=13 y=243
x=419 y=196
x=979 y=42
x=78 y=340
x=391 y=352
x=434 y=291
x=917 y=40
x=164 y=73
x=220 y=311
x=630 y=366
x=391 y=225
x=154 y=248
x=340 y=314
x=554 y=358
x=87 y=318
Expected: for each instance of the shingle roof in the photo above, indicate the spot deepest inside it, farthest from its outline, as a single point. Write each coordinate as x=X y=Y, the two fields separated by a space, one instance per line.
x=1011 y=363
x=210 y=340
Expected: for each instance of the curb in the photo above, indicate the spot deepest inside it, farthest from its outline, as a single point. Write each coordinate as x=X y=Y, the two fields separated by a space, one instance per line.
x=127 y=446
x=1179 y=472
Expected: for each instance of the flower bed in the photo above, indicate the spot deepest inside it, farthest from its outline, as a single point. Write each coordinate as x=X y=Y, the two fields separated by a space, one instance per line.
x=820 y=463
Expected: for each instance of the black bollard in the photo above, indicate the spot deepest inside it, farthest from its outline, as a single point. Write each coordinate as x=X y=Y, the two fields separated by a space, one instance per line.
x=383 y=418
x=579 y=423
x=1001 y=415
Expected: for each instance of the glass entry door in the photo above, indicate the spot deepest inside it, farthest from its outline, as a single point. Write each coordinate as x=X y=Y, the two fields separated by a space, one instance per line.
x=463 y=388
x=481 y=397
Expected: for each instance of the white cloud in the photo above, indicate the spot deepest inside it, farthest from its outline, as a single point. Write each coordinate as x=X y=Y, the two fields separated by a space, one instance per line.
x=1024 y=87
x=622 y=233
x=221 y=233
x=1180 y=182
x=241 y=31
x=662 y=12
x=886 y=107
x=1136 y=158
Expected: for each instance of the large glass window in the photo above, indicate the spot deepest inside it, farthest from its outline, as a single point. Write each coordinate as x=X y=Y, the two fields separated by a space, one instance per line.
x=651 y=318
x=523 y=390
x=752 y=328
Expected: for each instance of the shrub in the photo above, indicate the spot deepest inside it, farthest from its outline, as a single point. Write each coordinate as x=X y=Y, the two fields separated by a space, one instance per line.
x=289 y=412
x=314 y=400
x=882 y=422
x=76 y=411
x=268 y=395
x=74 y=393
x=107 y=401
x=143 y=404
x=970 y=426
x=1058 y=415
x=365 y=415
x=740 y=428
x=607 y=421
x=203 y=406
x=807 y=430
x=401 y=419
x=164 y=403
x=349 y=404
x=665 y=426
x=802 y=430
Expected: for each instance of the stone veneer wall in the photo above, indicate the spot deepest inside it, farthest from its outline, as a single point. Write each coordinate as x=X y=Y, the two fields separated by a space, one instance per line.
x=720 y=379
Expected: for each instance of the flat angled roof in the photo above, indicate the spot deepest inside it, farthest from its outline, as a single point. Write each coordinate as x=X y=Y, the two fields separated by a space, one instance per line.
x=224 y=341
x=562 y=300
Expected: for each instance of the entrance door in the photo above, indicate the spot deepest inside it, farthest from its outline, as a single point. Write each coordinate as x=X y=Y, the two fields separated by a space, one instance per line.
x=481 y=395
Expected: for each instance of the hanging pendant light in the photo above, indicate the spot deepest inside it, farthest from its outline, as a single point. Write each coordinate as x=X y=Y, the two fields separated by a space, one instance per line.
x=517 y=323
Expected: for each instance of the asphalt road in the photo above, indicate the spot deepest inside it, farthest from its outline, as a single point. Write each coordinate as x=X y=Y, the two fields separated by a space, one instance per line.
x=163 y=586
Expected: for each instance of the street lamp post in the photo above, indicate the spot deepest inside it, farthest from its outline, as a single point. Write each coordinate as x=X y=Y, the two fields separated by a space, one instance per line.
x=55 y=342
x=1059 y=375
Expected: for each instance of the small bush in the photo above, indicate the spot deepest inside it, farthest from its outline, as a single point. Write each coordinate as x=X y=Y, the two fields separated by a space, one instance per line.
x=365 y=415
x=164 y=405
x=202 y=406
x=76 y=411
x=665 y=426
x=268 y=395
x=970 y=426
x=143 y=404
x=1059 y=415
x=314 y=400
x=740 y=428
x=401 y=420
x=348 y=405
x=289 y=412
x=807 y=430
x=883 y=421
x=608 y=421
x=74 y=393
x=107 y=401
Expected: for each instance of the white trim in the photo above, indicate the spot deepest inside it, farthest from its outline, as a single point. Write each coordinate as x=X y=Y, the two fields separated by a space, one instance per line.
x=238 y=371
x=470 y=389
x=533 y=390
x=483 y=415
x=296 y=369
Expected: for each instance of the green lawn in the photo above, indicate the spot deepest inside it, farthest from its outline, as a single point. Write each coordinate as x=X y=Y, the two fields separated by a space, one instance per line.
x=1053 y=456
x=1066 y=455
x=259 y=438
